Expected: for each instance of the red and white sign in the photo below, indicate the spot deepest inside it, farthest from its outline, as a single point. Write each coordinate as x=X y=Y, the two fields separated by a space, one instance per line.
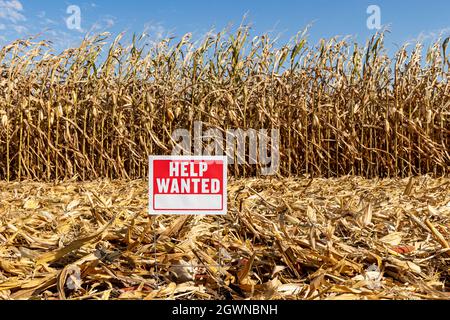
x=188 y=185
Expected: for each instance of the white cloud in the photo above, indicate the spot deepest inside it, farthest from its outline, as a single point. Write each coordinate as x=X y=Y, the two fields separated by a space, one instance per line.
x=110 y=22
x=2 y=26
x=50 y=21
x=19 y=29
x=41 y=14
x=104 y=23
x=156 y=32
x=11 y=10
x=60 y=39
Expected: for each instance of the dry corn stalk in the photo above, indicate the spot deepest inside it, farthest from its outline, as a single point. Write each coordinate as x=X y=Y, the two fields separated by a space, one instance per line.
x=100 y=109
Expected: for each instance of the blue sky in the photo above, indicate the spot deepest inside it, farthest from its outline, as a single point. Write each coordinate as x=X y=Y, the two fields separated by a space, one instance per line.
x=407 y=19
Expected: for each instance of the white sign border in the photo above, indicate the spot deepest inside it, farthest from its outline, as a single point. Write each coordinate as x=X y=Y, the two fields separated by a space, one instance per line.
x=189 y=158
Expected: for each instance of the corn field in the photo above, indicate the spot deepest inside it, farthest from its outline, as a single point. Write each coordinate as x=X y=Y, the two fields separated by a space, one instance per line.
x=100 y=109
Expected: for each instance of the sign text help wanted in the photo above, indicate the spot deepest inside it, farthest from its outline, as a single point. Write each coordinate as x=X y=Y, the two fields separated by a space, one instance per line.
x=188 y=185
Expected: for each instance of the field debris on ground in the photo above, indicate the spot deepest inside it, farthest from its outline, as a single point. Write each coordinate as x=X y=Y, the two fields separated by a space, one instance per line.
x=345 y=238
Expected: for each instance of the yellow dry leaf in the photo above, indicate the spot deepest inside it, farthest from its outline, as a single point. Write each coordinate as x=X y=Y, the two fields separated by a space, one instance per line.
x=36 y=282
x=393 y=239
x=170 y=289
x=72 y=205
x=4 y=120
x=289 y=289
x=74 y=245
x=31 y=204
x=311 y=213
x=345 y=296
x=367 y=217
x=11 y=283
x=413 y=267
x=433 y=211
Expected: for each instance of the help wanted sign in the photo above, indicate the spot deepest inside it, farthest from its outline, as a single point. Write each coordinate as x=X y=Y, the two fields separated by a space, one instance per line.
x=188 y=185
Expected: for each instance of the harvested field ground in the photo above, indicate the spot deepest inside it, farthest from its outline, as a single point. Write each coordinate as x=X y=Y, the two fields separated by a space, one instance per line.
x=346 y=238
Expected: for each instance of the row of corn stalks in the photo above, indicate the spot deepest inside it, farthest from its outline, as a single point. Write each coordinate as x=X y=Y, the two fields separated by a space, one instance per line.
x=100 y=109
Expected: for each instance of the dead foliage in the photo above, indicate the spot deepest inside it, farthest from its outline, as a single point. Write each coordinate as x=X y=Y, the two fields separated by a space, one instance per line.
x=346 y=238
x=98 y=110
